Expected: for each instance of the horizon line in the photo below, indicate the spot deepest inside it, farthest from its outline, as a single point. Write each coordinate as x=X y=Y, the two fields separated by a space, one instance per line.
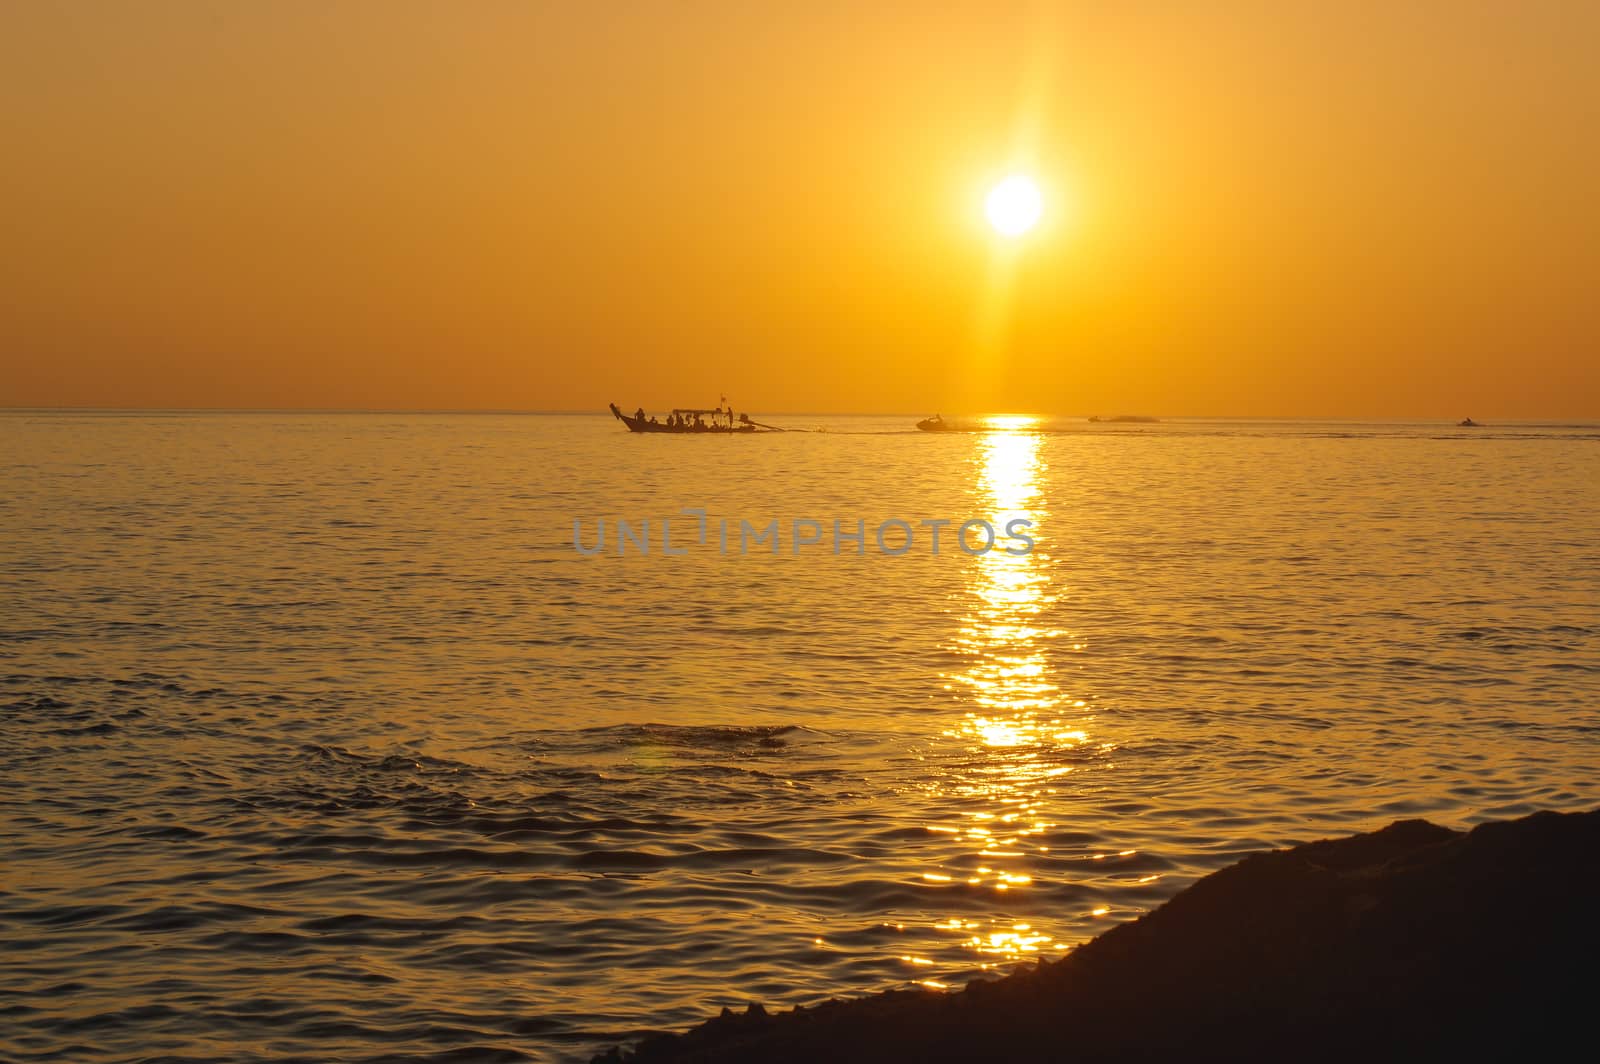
x=586 y=411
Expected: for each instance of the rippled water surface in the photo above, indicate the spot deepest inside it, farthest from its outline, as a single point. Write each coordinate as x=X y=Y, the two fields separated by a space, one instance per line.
x=321 y=741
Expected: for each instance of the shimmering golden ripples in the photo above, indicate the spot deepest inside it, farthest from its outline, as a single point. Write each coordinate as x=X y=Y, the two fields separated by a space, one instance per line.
x=1016 y=722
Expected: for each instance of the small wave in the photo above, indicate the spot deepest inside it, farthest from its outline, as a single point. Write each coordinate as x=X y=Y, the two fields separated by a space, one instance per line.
x=712 y=737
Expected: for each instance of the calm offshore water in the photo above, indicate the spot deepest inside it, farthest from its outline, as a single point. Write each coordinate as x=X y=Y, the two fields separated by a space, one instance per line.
x=321 y=742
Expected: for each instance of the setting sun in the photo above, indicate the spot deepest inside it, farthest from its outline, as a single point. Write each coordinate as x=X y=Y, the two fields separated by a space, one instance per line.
x=1014 y=205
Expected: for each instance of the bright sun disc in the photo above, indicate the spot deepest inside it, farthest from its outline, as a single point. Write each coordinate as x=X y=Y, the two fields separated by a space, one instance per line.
x=1014 y=205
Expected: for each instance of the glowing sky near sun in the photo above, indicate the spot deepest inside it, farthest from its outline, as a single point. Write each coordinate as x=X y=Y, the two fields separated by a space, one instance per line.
x=1257 y=208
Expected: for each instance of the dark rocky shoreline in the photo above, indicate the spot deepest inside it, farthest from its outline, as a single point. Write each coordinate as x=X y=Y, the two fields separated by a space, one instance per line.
x=1411 y=942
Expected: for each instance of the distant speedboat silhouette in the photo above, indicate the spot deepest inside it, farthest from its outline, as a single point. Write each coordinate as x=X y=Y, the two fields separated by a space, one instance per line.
x=1127 y=419
x=1468 y=423
x=693 y=422
x=934 y=424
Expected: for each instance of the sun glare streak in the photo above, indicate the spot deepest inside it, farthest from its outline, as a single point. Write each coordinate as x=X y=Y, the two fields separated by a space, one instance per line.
x=995 y=306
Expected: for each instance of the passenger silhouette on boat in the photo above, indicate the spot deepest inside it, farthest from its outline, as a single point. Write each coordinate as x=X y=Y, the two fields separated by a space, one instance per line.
x=639 y=414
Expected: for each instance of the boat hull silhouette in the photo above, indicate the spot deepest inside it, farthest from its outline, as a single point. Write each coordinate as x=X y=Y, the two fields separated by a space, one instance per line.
x=641 y=424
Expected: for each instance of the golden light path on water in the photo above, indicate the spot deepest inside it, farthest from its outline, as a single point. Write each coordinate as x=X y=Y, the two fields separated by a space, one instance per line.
x=1020 y=720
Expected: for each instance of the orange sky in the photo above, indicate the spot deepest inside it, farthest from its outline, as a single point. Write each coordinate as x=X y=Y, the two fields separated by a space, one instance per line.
x=1356 y=209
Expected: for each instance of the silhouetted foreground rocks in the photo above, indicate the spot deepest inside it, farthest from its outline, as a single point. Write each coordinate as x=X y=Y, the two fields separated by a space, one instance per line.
x=1414 y=942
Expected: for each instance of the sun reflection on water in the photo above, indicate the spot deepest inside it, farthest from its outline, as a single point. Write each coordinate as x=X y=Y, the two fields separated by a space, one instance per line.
x=1019 y=722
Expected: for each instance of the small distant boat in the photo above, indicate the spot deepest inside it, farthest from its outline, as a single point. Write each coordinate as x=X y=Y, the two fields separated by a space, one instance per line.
x=1127 y=419
x=690 y=421
x=1468 y=423
x=936 y=423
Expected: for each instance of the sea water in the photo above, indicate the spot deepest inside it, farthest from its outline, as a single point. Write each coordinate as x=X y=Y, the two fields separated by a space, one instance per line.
x=321 y=739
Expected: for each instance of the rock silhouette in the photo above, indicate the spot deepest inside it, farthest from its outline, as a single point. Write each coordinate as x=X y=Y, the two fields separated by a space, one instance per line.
x=1410 y=942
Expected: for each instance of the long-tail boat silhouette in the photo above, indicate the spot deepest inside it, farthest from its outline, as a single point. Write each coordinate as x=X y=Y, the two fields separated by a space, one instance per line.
x=692 y=421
